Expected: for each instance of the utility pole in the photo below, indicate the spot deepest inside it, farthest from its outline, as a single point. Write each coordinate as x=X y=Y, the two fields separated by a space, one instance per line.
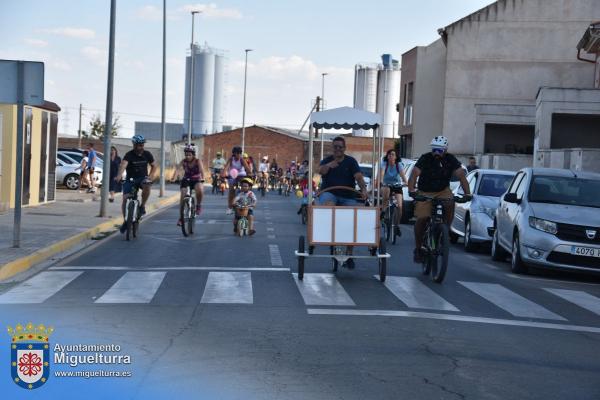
x=19 y=161
x=322 y=106
x=79 y=132
x=162 y=116
x=317 y=133
x=109 y=105
x=244 y=106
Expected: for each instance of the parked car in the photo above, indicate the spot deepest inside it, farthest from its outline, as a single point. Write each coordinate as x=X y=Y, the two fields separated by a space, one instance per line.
x=549 y=218
x=68 y=174
x=367 y=171
x=473 y=219
x=76 y=155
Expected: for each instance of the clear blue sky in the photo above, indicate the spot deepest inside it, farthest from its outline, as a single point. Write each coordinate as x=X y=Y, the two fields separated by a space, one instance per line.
x=294 y=41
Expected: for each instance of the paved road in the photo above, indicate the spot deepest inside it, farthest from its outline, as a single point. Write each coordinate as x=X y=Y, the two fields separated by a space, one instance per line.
x=215 y=316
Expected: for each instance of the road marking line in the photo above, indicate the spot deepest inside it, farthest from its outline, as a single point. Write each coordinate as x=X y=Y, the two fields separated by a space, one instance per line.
x=39 y=288
x=275 y=255
x=269 y=223
x=452 y=317
x=229 y=288
x=415 y=294
x=211 y=221
x=134 y=287
x=171 y=269
x=509 y=301
x=321 y=289
x=582 y=299
x=271 y=236
x=491 y=266
x=526 y=278
x=270 y=229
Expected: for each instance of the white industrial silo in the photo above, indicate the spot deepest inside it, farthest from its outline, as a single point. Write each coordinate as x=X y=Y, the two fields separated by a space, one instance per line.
x=388 y=95
x=219 y=78
x=365 y=92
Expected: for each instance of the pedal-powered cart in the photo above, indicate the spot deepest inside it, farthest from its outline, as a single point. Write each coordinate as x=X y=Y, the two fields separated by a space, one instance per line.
x=339 y=226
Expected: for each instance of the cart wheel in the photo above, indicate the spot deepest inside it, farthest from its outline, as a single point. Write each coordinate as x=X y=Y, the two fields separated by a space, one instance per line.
x=301 y=258
x=382 y=262
x=334 y=261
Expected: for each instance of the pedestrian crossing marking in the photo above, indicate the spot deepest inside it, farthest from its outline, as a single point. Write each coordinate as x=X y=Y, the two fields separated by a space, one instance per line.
x=228 y=288
x=582 y=299
x=39 y=288
x=275 y=255
x=133 y=287
x=321 y=289
x=415 y=294
x=509 y=301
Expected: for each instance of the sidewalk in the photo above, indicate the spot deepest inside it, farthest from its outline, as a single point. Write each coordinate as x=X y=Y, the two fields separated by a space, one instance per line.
x=53 y=228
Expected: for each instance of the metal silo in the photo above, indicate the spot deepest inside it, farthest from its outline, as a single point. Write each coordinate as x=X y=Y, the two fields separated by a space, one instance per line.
x=219 y=85
x=365 y=92
x=204 y=82
x=388 y=95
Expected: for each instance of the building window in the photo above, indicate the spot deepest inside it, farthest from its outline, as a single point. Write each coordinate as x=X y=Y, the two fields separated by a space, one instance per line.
x=575 y=130
x=509 y=139
x=408 y=103
x=405 y=146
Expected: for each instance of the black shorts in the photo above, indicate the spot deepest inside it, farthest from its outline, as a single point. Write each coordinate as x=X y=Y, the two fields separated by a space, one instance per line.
x=188 y=183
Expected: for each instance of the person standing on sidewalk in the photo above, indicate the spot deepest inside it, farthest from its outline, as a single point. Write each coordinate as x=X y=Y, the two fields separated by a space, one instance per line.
x=91 y=165
x=115 y=162
x=136 y=163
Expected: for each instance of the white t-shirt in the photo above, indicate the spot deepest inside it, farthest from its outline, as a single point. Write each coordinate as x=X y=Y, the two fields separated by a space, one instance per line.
x=263 y=167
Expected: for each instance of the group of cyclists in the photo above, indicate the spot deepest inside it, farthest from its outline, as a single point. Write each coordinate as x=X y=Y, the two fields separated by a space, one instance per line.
x=433 y=170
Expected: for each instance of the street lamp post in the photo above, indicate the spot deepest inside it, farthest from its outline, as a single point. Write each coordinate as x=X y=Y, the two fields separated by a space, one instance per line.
x=191 y=94
x=322 y=106
x=163 y=105
x=244 y=106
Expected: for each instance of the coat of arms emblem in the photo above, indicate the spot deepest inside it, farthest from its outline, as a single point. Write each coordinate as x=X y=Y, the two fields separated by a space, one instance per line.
x=30 y=355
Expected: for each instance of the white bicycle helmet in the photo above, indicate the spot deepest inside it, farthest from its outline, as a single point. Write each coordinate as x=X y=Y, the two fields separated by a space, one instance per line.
x=440 y=142
x=190 y=148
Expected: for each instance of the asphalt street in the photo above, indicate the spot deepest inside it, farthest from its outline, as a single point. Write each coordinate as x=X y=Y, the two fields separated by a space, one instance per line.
x=217 y=316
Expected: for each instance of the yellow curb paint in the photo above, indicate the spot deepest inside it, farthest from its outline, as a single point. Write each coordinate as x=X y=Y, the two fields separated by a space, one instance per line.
x=12 y=268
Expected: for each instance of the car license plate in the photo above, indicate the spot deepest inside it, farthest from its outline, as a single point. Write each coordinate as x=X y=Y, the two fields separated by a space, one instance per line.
x=585 y=251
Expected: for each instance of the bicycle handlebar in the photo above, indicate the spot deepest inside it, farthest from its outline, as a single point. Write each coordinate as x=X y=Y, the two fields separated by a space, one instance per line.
x=457 y=199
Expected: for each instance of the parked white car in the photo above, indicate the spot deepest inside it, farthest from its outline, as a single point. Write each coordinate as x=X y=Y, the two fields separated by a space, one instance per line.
x=68 y=174
x=549 y=218
x=472 y=219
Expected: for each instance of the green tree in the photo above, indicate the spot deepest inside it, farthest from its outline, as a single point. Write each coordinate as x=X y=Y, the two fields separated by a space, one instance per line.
x=97 y=127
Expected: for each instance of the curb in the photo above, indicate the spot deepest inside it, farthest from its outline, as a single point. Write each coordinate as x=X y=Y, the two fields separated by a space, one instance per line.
x=22 y=264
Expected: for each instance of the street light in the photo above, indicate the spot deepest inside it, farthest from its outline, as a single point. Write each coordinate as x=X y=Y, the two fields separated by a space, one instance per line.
x=244 y=106
x=163 y=105
x=322 y=106
x=191 y=94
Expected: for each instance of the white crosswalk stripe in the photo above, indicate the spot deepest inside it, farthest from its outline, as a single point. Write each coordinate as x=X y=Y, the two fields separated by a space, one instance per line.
x=228 y=287
x=276 y=260
x=134 y=287
x=582 y=299
x=415 y=294
x=39 y=288
x=322 y=290
x=509 y=301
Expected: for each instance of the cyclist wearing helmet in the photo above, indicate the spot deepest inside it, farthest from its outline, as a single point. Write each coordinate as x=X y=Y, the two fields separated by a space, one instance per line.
x=434 y=170
x=235 y=162
x=218 y=164
x=263 y=169
x=193 y=176
x=245 y=198
x=136 y=162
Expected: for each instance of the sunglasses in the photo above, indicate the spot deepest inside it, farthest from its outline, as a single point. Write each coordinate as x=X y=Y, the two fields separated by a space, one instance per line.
x=438 y=151
x=337 y=146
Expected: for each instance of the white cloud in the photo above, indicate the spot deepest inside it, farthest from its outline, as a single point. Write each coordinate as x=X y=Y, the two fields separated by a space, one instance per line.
x=95 y=54
x=211 y=10
x=149 y=12
x=36 y=42
x=61 y=65
x=78 y=33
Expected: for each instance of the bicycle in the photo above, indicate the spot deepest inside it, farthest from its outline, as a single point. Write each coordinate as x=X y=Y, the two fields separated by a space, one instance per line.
x=243 y=225
x=132 y=212
x=216 y=182
x=262 y=184
x=436 y=240
x=187 y=210
x=389 y=214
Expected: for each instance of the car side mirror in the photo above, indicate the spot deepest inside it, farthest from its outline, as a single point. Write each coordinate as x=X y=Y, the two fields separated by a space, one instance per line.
x=511 y=198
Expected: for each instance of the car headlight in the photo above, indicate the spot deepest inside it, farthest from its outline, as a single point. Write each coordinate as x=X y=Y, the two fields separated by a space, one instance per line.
x=543 y=225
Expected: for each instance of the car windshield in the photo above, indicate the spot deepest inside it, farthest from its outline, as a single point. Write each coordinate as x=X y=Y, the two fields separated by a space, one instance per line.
x=565 y=190
x=494 y=185
x=366 y=171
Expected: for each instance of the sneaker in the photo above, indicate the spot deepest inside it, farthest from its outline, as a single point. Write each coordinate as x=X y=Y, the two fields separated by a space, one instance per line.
x=229 y=211
x=123 y=227
x=418 y=256
x=179 y=222
x=198 y=210
x=142 y=210
x=251 y=232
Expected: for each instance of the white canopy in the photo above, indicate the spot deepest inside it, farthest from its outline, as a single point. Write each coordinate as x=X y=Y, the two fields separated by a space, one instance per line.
x=345 y=118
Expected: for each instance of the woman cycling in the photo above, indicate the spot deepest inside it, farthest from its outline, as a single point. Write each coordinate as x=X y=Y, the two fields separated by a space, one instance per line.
x=193 y=176
x=242 y=169
x=392 y=177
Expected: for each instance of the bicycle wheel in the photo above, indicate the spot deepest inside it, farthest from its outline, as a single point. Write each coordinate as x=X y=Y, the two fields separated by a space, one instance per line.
x=387 y=224
x=382 y=262
x=393 y=224
x=440 y=261
x=426 y=268
x=334 y=261
x=241 y=227
x=301 y=258
x=191 y=215
x=184 y=213
x=130 y=219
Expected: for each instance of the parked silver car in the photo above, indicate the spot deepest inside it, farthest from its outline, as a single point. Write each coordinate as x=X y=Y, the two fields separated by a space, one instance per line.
x=68 y=174
x=549 y=218
x=473 y=219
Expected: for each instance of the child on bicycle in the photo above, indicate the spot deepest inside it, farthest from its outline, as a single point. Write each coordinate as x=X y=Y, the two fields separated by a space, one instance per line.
x=246 y=199
x=304 y=189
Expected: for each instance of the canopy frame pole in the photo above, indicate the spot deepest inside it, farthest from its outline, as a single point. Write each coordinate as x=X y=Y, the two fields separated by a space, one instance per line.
x=310 y=164
x=380 y=157
x=373 y=165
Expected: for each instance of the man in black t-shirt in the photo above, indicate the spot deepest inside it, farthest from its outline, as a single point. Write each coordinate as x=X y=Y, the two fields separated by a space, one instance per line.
x=434 y=171
x=135 y=163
